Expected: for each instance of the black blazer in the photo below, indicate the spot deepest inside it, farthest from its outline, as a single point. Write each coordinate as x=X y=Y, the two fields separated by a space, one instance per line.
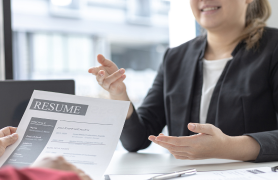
x=245 y=99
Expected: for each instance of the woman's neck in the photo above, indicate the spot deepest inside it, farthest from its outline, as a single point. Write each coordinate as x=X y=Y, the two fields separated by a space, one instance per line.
x=222 y=43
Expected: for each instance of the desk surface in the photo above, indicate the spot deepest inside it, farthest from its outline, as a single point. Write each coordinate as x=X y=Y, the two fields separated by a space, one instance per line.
x=139 y=163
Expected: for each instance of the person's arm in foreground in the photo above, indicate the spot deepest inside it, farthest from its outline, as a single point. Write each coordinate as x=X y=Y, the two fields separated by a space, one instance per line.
x=54 y=168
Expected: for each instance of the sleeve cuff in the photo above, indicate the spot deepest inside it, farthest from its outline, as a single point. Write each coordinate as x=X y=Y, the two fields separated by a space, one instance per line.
x=133 y=121
x=134 y=135
x=268 y=145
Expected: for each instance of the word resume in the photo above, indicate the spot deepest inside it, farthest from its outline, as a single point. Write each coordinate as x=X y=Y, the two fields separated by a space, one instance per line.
x=83 y=130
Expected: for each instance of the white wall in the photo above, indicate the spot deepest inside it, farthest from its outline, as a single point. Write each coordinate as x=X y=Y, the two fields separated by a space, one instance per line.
x=273 y=21
x=182 y=26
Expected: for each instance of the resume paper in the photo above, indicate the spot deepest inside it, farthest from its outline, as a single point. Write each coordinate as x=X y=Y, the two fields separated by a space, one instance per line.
x=83 y=130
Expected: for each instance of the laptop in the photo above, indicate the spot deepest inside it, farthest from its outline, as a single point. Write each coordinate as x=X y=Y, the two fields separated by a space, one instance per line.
x=15 y=96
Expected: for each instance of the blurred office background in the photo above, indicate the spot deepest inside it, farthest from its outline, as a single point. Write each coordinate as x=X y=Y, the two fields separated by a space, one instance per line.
x=59 y=39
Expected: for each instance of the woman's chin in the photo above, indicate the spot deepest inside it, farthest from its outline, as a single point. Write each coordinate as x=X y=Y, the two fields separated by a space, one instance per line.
x=211 y=25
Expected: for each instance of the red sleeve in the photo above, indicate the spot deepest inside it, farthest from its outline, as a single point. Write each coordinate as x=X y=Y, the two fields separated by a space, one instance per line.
x=10 y=173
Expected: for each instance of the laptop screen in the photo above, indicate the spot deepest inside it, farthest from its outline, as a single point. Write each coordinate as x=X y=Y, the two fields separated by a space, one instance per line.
x=15 y=96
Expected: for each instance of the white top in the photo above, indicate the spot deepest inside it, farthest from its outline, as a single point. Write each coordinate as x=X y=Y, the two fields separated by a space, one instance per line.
x=212 y=69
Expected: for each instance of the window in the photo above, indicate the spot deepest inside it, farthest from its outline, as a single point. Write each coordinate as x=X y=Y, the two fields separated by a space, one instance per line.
x=55 y=41
x=61 y=41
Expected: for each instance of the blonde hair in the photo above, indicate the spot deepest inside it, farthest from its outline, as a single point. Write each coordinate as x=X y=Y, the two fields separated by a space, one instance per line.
x=257 y=14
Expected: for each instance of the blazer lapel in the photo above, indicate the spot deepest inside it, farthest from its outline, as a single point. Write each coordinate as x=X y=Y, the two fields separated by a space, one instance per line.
x=182 y=86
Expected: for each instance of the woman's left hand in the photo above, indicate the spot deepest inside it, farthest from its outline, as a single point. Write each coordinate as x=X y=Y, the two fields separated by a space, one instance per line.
x=211 y=142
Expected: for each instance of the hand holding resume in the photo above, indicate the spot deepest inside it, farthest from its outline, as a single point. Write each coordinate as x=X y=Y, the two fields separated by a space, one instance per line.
x=83 y=130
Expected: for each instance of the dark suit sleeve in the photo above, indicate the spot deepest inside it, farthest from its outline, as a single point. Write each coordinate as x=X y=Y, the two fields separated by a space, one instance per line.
x=10 y=173
x=269 y=140
x=149 y=119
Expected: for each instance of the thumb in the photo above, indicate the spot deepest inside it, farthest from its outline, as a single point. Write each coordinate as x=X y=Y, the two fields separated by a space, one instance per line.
x=9 y=140
x=202 y=128
x=101 y=59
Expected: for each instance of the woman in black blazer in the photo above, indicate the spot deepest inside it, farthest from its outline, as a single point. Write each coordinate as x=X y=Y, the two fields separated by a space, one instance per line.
x=218 y=93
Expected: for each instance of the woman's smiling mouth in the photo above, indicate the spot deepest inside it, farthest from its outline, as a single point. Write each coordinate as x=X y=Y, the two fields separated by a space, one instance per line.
x=209 y=9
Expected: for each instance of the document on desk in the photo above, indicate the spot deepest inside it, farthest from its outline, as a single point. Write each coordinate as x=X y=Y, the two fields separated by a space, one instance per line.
x=263 y=173
x=83 y=130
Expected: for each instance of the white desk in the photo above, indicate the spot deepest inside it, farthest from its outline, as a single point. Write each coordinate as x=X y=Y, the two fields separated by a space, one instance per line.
x=139 y=163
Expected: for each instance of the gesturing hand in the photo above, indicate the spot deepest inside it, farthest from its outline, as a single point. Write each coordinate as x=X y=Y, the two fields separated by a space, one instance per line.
x=7 y=137
x=109 y=76
x=211 y=142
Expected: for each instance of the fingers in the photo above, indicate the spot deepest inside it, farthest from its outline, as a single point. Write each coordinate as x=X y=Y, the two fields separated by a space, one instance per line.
x=181 y=157
x=101 y=59
x=152 y=138
x=179 y=152
x=7 y=131
x=114 y=85
x=170 y=147
x=100 y=77
x=94 y=70
x=185 y=153
x=112 y=78
x=106 y=65
x=177 y=141
x=13 y=129
x=202 y=128
x=8 y=140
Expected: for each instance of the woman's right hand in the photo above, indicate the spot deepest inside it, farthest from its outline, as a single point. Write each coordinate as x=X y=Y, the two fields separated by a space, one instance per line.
x=110 y=78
